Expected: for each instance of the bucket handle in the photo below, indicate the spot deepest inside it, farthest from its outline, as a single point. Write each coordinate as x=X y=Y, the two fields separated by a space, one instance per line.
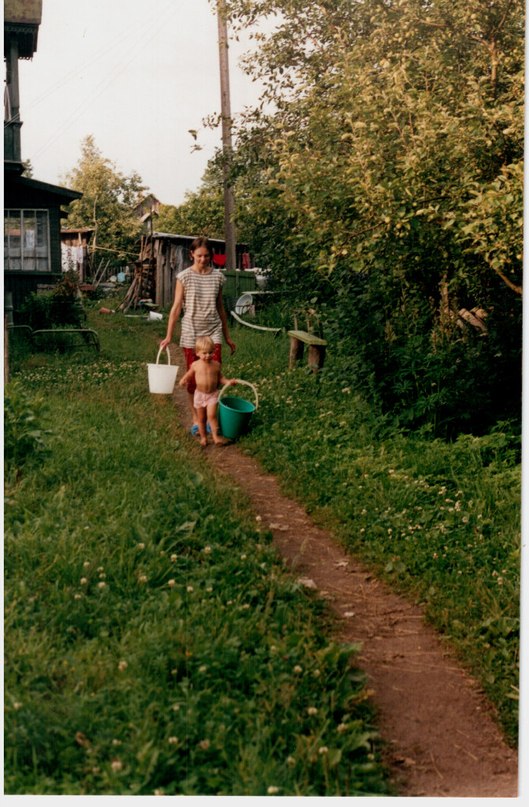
x=168 y=355
x=240 y=381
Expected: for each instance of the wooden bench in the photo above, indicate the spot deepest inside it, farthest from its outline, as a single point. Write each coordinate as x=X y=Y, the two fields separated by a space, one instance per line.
x=88 y=336
x=316 y=351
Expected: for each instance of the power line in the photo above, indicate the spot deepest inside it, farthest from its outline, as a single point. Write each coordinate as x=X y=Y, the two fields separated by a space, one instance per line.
x=104 y=84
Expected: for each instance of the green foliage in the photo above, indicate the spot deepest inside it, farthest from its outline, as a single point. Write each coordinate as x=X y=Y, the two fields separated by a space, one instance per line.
x=107 y=203
x=25 y=435
x=202 y=212
x=387 y=182
x=62 y=306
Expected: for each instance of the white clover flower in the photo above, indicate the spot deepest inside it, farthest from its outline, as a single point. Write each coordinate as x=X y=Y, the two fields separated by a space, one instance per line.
x=190 y=589
x=142 y=578
x=272 y=790
x=291 y=761
x=172 y=740
x=203 y=668
x=122 y=666
x=312 y=710
x=207 y=550
x=101 y=584
x=342 y=728
x=83 y=581
x=141 y=546
x=86 y=564
x=243 y=557
x=323 y=750
x=117 y=765
x=171 y=583
x=298 y=669
x=173 y=558
x=204 y=744
x=77 y=596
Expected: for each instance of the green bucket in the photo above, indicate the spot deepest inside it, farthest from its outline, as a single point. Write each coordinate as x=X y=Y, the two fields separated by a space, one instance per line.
x=235 y=413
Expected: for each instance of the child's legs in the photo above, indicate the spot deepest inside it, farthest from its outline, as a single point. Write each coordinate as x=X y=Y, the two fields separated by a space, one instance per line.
x=212 y=418
x=218 y=439
x=201 y=412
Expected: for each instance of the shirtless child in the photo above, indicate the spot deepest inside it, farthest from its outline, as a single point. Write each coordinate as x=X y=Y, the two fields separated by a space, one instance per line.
x=208 y=377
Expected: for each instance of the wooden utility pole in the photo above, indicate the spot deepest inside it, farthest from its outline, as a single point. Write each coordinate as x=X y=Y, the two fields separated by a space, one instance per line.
x=229 y=202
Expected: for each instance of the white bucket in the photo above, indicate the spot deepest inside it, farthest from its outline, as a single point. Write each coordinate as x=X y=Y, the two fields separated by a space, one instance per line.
x=154 y=315
x=162 y=377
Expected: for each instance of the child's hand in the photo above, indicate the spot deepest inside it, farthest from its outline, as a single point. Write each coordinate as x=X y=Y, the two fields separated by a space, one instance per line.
x=232 y=382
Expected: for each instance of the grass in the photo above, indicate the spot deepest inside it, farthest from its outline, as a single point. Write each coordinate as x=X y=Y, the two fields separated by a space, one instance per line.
x=440 y=521
x=154 y=642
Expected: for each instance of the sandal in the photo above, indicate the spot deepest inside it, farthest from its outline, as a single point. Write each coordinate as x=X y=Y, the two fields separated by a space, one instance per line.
x=194 y=430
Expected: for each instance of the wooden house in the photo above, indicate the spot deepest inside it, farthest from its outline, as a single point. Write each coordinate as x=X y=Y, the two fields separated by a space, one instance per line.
x=32 y=209
x=147 y=210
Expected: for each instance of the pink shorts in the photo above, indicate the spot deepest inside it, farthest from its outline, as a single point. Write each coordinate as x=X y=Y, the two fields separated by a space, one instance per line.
x=202 y=400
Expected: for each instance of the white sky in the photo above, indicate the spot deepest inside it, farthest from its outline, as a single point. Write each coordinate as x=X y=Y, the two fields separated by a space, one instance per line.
x=135 y=74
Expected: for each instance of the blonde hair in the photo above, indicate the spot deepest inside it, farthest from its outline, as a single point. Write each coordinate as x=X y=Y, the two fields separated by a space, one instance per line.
x=205 y=343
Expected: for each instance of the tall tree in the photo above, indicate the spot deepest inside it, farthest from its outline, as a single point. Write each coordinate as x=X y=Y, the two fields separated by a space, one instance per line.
x=107 y=203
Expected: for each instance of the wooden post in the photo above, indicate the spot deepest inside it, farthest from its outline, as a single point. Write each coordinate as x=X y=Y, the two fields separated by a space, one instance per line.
x=296 y=352
x=6 y=351
x=229 y=202
x=316 y=356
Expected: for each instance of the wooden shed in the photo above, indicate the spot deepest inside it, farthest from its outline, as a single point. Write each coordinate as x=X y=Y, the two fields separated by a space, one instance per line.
x=164 y=255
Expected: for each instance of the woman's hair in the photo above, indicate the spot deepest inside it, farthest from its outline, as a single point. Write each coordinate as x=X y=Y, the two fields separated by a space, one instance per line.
x=201 y=241
x=204 y=343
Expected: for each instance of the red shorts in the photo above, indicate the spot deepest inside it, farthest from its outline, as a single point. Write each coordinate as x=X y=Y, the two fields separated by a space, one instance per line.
x=190 y=356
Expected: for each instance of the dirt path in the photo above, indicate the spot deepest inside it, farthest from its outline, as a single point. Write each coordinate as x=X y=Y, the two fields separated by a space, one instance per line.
x=439 y=728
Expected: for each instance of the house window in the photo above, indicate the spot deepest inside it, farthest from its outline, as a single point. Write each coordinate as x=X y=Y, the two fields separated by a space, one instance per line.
x=26 y=241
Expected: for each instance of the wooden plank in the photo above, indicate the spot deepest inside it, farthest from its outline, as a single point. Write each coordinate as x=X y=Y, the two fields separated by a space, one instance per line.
x=307 y=338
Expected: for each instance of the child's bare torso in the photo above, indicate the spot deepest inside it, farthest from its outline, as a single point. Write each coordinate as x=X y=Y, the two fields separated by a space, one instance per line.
x=207 y=375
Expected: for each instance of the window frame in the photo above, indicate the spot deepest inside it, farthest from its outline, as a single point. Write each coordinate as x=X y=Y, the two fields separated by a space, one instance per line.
x=33 y=249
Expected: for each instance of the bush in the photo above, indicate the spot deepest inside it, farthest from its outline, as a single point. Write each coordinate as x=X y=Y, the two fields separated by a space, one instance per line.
x=62 y=306
x=24 y=435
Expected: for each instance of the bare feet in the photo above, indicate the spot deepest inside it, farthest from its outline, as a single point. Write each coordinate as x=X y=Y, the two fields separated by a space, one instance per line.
x=220 y=441
x=203 y=441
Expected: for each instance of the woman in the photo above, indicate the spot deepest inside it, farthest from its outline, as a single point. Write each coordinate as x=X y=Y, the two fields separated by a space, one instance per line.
x=199 y=292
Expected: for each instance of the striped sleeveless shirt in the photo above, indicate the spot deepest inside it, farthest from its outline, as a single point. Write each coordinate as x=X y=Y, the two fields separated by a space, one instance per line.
x=201 y=317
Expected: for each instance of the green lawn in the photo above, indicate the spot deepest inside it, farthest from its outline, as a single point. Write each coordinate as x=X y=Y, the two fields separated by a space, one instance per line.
x=154 y=643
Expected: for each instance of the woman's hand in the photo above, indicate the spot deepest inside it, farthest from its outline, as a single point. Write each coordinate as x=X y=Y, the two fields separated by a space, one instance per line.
x=231 y=344
x=165 y=342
